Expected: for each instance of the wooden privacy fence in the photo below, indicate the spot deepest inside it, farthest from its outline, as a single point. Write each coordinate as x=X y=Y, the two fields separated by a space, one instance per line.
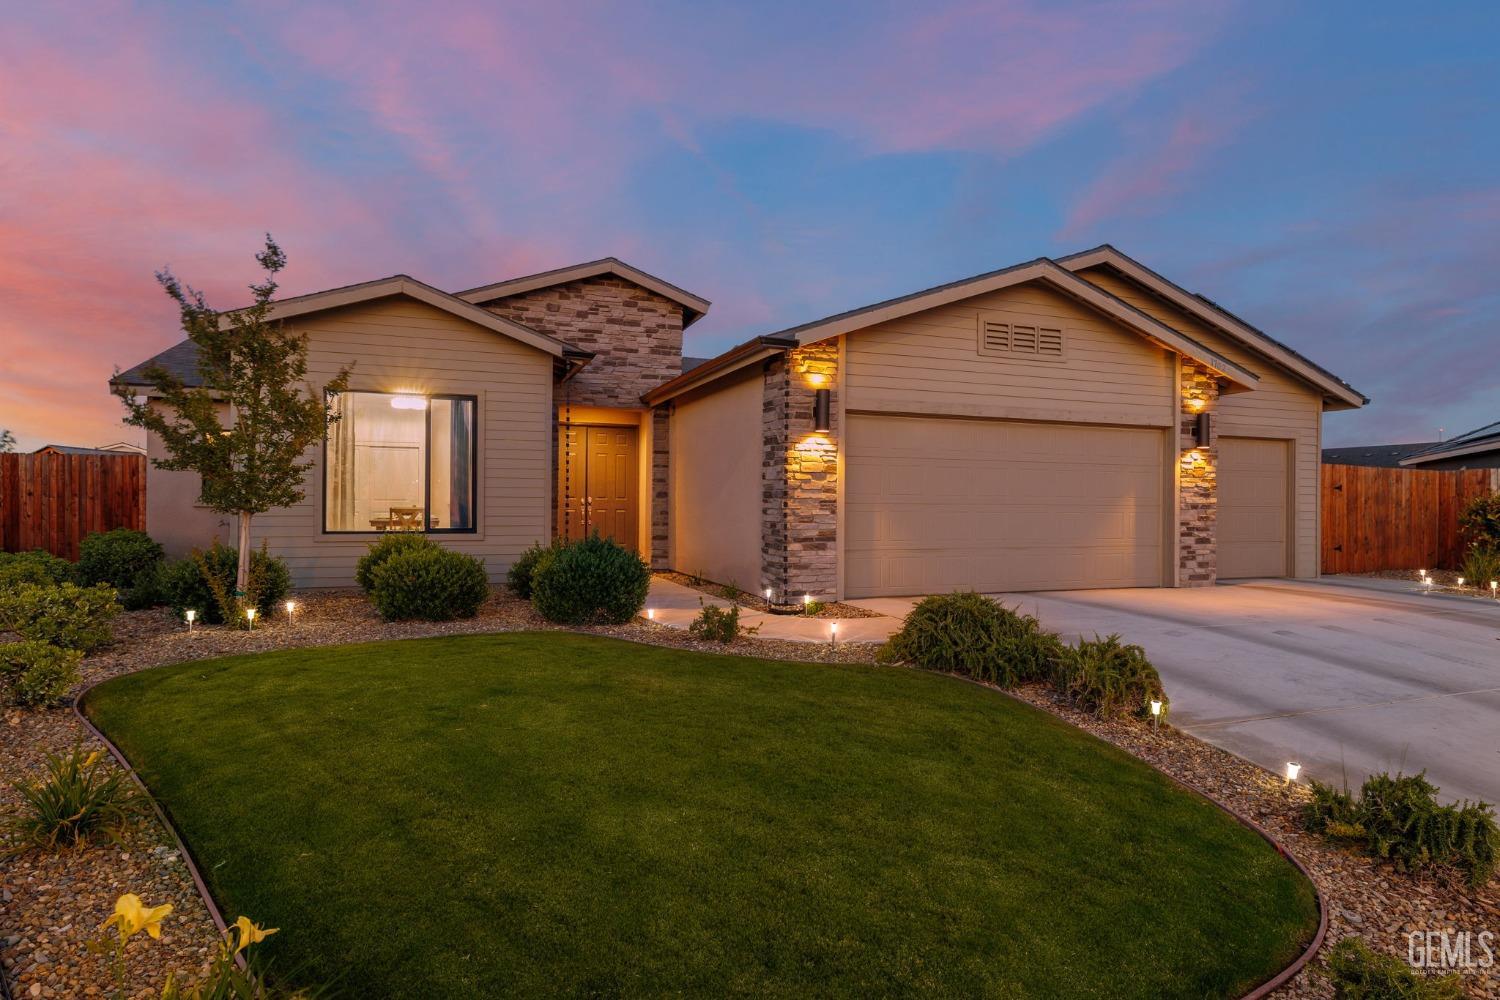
x=1375 y=519
x=52 y=501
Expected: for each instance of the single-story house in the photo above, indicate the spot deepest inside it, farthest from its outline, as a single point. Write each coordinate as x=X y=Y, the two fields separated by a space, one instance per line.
x=1062 y=423
x=1375 y=456
x=118 y=448
x=1478 y=449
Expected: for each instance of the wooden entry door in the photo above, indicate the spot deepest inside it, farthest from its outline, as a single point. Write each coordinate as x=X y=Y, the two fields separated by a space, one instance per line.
x=600 y=473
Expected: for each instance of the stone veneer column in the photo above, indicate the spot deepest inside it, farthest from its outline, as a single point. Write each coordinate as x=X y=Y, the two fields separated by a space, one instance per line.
x=799 y=477
x=661 y=463
x=1197 y=494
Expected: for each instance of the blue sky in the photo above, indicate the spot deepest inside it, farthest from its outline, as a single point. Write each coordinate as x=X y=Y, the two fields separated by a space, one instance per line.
x=1327 y=171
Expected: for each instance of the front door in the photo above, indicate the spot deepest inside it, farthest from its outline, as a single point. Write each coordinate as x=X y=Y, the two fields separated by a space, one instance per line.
x=599 y=475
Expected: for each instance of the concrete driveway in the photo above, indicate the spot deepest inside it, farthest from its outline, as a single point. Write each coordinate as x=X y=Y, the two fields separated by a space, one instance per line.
x=1345 y=678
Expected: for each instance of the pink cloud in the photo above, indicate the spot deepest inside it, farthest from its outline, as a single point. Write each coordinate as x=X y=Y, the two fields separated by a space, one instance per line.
x=1140 y=181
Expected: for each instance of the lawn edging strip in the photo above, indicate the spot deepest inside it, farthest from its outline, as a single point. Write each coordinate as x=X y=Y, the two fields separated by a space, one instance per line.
x=161 y=816
x=1285 y=975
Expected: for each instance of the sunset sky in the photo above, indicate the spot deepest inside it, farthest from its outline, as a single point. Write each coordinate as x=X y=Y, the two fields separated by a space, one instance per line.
x=1328 y=171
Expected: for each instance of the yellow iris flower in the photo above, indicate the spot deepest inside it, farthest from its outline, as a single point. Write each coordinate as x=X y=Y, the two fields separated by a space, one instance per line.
x=131 y=916
x=250 y=934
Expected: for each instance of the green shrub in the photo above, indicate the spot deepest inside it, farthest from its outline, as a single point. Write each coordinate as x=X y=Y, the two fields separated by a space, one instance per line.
x=1357 y=972
x=1400 y=819
x=1480 y=522
x=129 y=561
x=429 y=583
x=716 y=624
x=1481 y=565
x=204 y=581
x=388 y=545
x=36 y=674
x=592 y=581
x=812 y=609
x=78 y=799
x=1106 y=677
x=66 y=615
x=520 y=574
x=35 y=566
x=970 y=634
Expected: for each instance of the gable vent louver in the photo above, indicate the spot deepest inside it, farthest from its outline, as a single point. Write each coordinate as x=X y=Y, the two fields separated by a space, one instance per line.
x=1019 y=340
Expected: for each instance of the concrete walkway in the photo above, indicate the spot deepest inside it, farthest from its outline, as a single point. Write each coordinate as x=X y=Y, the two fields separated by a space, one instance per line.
x=675 y=605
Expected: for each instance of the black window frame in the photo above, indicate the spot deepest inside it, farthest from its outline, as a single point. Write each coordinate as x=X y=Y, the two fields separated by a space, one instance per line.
x=427 y=528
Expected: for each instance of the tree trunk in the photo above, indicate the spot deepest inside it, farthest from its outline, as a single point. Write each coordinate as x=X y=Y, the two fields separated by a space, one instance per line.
x=242 y=575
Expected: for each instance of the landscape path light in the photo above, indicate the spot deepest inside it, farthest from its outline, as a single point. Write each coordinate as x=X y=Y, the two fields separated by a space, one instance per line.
x=651 y=614
x=291 y=607
x=1493 y=585
x=190 y=614
x=1292 y=770
x=250 y=616
x=833 y=633
x=1155 y=713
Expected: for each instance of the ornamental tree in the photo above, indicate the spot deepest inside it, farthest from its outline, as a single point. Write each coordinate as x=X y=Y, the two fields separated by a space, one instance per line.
x=253 y=371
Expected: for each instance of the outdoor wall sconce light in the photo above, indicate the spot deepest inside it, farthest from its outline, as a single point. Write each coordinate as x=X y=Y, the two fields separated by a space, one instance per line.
x=822 y=406
x=1203 y=430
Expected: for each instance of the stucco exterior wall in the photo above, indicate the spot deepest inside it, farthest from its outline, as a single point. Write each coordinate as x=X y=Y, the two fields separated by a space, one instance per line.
x=716 y=483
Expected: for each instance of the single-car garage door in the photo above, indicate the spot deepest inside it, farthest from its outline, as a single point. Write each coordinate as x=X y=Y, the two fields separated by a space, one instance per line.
x=933 y=504
x=1252 y=517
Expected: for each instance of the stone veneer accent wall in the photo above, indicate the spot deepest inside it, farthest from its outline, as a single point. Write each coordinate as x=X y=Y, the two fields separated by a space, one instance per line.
x=1197 y=496
x=636 y=337
x=799 y=477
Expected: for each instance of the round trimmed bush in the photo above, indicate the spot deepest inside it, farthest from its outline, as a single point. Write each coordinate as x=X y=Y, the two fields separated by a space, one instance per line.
x=37 y=566
x=970 y=634
x=389 y=545
x=519 y=576
x=37 y=674
x=128 y=560
x=595 y=581
x=429 y=583
x=65 y=615
x=184 y=585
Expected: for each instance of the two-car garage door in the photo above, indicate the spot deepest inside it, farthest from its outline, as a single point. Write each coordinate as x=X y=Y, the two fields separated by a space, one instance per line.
x=934 y=504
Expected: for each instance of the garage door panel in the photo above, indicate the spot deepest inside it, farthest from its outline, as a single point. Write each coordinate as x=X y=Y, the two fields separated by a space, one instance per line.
x=936 y=504
x=1253 y=507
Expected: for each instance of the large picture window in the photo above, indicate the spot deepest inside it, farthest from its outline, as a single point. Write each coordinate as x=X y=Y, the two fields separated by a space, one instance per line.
x=400 y=462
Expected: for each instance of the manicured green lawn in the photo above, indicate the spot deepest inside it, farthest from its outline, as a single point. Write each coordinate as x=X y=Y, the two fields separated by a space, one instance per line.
x=561 y=814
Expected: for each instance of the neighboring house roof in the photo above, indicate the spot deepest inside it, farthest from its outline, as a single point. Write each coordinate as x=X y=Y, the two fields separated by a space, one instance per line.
x=1477 y=441
x=123 y=446
x=182 y=359
x=688 y=364
x=1226 y=322
x=713 y=369
x=693 y=306
x=70 y=449
x=1041 y=269
x=1379 y=456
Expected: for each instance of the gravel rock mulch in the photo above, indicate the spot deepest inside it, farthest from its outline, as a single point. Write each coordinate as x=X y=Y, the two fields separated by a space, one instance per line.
x=50 y=906
x=756 y=602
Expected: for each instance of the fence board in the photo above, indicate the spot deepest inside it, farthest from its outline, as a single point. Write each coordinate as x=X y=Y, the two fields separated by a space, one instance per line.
x=1379 y=519
x=53 y=501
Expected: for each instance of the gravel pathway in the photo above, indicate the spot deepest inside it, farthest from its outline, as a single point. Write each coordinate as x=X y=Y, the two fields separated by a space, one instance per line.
x=50 y=906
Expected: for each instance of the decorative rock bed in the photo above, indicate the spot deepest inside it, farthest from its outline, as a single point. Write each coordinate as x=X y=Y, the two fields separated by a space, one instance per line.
x=51 y=905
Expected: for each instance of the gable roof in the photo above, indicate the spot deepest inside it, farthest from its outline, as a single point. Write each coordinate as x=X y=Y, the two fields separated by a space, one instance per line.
x=1477 y=441
x=1041 y=269
x=1376 y=456
x=693 y=306
x=709 y=370
x=181 y=359
x=1205 y=309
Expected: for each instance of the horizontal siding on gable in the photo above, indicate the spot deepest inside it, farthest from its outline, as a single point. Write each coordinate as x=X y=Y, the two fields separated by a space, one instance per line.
x=400 y=345
x=929 y=363
x=1279 y=406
